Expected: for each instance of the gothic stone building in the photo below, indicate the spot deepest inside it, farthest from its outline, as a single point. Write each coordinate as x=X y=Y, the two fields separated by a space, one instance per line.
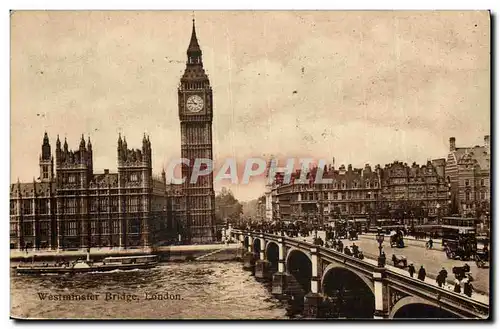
x=76 y=208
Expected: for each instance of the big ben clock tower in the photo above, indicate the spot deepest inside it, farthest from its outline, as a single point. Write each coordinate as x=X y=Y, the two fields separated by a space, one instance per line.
x=195 y=114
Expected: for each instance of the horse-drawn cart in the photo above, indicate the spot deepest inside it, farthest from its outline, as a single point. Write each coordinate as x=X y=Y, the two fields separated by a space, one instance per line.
x=482 y=258
x=399 y=261
x=396 y=239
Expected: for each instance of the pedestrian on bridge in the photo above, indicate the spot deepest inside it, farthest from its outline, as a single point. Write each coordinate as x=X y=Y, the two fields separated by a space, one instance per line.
x=411 y=270
x=421 y=273
x=468 y=288
x=441 y=278
x=457 y=286
x=340 y=246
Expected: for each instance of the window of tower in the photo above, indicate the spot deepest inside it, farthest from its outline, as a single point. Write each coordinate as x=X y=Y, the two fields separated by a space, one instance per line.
x=27 y=207
x=45 y=172
x=116 y=227
x=44 y=229
x=71 y=228
x=13 y=205
x=104 y=227
x=13 y=229
x=28 y=229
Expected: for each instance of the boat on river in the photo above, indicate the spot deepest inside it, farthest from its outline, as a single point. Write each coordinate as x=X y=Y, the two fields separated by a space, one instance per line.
x=84 y=266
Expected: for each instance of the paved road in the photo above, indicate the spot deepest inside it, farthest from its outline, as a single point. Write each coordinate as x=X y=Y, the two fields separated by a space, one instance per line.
x=433 y=260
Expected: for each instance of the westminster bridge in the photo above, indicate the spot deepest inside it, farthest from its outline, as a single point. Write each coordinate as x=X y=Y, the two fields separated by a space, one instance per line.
x=333 y=284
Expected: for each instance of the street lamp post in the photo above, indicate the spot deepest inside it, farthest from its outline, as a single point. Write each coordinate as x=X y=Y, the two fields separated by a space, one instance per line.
x=437 y=212
x=381 y=255
x=260 y=211
x=279 y=216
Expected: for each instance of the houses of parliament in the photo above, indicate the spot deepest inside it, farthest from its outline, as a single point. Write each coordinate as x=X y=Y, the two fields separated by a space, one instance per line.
x=71 y=207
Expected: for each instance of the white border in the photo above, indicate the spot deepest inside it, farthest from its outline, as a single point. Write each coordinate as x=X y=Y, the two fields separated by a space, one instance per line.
x=188 y=5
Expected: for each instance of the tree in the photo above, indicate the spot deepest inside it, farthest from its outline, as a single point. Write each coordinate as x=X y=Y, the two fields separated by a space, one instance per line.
x=227 y=207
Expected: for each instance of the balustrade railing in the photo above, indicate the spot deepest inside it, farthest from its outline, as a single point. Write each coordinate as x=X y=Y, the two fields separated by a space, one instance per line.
x=412 y=286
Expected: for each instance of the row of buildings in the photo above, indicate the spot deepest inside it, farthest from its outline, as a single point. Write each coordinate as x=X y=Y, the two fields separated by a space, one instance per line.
x=458 y=185
x=71 y=207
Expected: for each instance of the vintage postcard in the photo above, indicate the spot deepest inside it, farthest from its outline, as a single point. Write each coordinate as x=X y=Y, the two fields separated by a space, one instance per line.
x=250 y=165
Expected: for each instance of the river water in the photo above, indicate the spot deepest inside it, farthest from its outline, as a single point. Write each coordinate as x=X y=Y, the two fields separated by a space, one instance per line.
x=198 y=290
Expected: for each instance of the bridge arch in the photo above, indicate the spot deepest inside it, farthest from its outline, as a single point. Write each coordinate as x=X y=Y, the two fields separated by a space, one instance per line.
x=334 y=266
x=257 y=245
x=272 y=254
x=299 y=265
x=416 y=307
x=293 y=249
x=348 y=293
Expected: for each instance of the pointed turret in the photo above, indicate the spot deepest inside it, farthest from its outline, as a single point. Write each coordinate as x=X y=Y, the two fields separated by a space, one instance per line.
x=45 y=148
x=194 y=51
x=89 y=144
x=65 y=145
x=82 y=142
x=119 y=148
x=58 y=143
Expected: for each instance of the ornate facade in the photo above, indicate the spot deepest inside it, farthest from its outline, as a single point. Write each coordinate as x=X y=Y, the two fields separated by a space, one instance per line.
x=468 y=170
x=361 y=193
x=409 y=187
x=195 y=114
x=76 y=208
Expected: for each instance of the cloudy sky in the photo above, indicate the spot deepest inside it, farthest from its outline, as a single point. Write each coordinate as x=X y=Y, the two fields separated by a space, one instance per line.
x=363 y=87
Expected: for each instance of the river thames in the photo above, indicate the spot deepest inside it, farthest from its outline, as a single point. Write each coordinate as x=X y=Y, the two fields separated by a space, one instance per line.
x=197 y=290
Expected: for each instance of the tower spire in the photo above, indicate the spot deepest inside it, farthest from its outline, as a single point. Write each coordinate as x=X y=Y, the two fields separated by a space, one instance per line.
x=194 y=51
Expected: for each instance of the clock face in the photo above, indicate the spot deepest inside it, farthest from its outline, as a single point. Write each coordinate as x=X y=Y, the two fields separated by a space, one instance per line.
x=194 y=103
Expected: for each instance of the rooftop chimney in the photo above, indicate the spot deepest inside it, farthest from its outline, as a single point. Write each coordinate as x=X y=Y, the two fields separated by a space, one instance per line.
x=106 y=171
x=452 y=144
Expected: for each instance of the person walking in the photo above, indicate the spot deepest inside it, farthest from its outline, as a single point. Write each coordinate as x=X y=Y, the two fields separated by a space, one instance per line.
x=421 y=273
x=355 y=249
x=457 y=286
x=411 y=270
x=468 y=288
x=441 y=278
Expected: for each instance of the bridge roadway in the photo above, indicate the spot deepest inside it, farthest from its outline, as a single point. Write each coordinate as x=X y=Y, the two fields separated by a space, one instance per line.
x=433 y=260
x=330 y=275
x=416 y=253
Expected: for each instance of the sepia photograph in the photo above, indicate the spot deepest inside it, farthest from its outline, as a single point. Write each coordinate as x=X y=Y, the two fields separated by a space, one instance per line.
x=250 y=165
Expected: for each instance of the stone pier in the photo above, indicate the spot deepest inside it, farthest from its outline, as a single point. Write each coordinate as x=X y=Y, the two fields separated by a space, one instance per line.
x=313 y=300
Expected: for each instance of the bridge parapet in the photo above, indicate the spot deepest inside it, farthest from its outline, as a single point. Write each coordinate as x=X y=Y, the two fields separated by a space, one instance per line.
x=398 y=290
x=401 y=286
